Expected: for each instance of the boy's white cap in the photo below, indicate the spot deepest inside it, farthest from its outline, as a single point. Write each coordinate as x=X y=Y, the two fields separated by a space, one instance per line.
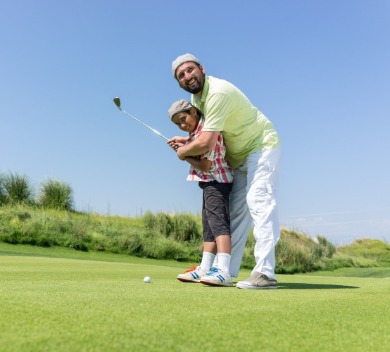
x=179 y=106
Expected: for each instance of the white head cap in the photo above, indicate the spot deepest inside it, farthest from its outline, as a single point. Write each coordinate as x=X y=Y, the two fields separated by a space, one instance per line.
x=181 y=60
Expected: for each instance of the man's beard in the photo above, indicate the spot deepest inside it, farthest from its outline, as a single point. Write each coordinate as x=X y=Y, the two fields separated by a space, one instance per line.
x=194 y=90
x=196 y=87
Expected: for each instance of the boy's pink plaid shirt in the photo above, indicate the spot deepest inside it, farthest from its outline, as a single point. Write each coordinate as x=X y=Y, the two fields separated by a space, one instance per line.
x=220 y=171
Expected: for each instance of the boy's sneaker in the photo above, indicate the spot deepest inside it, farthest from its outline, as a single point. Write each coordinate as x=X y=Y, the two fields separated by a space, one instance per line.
x=257 y=281
x=192 y=275
x=216 y=277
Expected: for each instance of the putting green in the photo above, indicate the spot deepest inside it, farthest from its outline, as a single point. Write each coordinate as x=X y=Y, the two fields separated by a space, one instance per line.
x=55 y=304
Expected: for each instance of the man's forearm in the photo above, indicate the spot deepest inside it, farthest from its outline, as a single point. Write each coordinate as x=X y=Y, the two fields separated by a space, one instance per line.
x=200 y=164
x=205 y=142
x=192 y=149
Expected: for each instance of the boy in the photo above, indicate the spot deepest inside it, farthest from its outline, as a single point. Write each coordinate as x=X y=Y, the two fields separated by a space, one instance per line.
x=215 y=177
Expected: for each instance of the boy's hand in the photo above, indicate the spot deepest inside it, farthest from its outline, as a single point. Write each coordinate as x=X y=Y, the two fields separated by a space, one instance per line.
x=175 y=146
x=177 y=142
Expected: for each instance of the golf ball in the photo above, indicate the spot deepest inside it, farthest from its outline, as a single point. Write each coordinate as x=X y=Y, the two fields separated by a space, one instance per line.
x=147 y=280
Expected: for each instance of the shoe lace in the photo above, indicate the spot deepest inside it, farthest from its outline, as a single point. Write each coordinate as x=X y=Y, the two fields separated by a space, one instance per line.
x=212 y=271
x=193 y=267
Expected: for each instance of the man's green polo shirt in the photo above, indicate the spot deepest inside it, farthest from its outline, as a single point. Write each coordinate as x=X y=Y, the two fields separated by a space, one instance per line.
x=245 y=128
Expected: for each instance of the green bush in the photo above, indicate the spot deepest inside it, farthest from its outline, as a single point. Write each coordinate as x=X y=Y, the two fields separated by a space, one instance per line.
x=295 y=252
x=56 y=195
x=164 y=224
x=177 y=237
x=186 y=229
x=327 y=248
x=150 y=221
x=370 y=249
x=15 y=189
x=131 y=244
x=182 y=227
x=3 y=194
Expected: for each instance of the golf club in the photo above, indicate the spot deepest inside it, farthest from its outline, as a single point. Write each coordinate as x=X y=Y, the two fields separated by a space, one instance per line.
x=117 y=102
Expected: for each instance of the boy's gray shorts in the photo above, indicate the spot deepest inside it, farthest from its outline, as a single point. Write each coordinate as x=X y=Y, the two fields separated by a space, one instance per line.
x=215 y=209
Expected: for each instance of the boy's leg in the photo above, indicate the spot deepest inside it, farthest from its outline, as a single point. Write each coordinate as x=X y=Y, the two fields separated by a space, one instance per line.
x=217 y=210
x=223 y=252
x=223 y=244
x=208 y=256
x=196 y=273
x=209 y=245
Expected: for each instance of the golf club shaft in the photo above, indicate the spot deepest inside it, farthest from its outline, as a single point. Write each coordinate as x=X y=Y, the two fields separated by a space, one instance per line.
x=117 y=102
x=150 y=128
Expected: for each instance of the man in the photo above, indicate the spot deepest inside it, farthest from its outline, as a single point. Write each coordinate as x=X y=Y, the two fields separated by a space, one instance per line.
x=253 y=150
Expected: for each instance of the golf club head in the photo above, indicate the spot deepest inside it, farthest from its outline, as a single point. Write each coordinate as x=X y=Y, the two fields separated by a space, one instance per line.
x=117 y=102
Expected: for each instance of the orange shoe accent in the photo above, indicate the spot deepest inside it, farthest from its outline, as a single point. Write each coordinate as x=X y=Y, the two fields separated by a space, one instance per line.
x=193 y=267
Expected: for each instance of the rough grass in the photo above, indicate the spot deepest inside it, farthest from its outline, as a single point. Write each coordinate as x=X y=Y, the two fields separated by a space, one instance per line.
x=59 y=304
x=173 y=237
x=357 y=272
x=84 y=232
x=369 y=249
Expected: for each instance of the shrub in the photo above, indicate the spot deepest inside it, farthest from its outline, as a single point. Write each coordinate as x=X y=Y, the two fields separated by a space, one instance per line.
x=15 y=189
x=176 y=237
x=3 y=195
x=161 y=223
x=149 y=220
x=328 y=249
x=57 y=195
x=371 y=249
x=164 y=224
x=182 y=227
x=295 y=252
x=77 y=242
x=131 y=244
x=186 y=228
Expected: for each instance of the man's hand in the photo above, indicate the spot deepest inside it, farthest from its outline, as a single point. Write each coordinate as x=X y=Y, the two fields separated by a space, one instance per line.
x=181 y=153
x=177 y=142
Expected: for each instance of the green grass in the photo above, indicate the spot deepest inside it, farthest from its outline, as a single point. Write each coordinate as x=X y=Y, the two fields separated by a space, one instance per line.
x=172 y=237
x=380 y=272
x=97 y=303
x=369 y=249
x=69 y=253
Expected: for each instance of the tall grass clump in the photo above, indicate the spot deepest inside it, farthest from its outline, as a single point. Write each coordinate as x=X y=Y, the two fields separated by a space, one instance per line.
x=364 y=252
x=295 y=252
x=84 y=232
x=181 y=227
x=15 y=189
x=3 y=195
x=57 y=195
x=30 y=225
x=325 y=248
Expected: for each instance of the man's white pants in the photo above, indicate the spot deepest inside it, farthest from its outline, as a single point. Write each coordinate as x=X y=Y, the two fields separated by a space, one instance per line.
x=253 y=204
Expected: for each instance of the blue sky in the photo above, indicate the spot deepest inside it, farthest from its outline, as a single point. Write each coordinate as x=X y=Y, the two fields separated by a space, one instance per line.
x=319 y=70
